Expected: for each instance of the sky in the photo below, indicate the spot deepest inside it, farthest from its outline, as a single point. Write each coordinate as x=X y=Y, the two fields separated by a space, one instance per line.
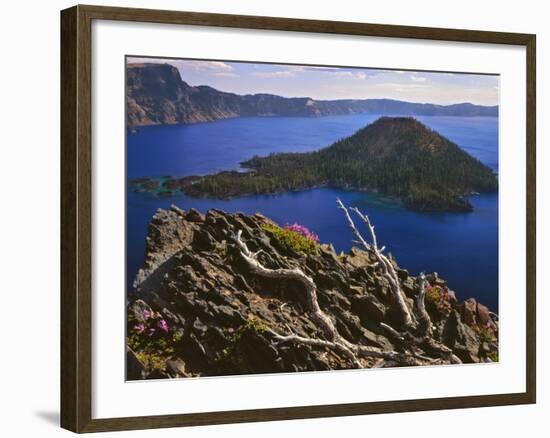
x=337 y=83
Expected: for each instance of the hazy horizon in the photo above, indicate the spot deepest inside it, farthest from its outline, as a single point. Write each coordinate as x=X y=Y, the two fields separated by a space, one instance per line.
x=334 y=83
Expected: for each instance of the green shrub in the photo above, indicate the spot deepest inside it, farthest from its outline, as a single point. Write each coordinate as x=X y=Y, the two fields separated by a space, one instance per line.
x=485 y=334
x=439 y=298
x=433 y=295
x=291 y=239
x=493 y=355
x=232 y=357
x=152 y=361
x=152 y=339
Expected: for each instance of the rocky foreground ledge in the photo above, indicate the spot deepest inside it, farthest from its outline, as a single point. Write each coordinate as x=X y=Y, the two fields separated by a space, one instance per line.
x=226 y=294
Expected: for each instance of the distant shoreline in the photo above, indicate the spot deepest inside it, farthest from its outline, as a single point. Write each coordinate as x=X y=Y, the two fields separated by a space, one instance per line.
x=134 y=129
x=157 y=95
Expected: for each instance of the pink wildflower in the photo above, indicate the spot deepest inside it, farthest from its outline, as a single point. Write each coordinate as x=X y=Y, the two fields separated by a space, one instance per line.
x=147 y=314
x=303 y=231
x=139 y=328
x=163 y=325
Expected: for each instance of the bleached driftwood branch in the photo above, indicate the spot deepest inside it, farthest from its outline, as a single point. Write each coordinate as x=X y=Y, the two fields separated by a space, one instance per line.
x=420 y=320
x=295 y=274
x=385 y=265
x=441 y=349
x=424 y=320
x=425 y=324
x=334 y=339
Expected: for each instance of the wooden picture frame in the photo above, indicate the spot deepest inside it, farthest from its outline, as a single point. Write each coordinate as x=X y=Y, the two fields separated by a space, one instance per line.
x=76 y=217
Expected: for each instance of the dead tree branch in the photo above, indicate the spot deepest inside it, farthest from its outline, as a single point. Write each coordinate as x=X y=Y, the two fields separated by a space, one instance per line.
x=420 y=320
x=383 y=263
x=334 y=339
x=424 y=320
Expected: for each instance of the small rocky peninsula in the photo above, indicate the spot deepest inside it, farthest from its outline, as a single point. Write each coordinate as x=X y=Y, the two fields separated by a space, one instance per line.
x=229 y=293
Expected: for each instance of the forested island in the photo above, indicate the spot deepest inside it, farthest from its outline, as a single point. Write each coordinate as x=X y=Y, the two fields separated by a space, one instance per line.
x=396 y=156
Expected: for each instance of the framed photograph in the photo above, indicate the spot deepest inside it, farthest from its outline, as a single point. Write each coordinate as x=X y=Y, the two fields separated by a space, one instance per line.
x=268 y=218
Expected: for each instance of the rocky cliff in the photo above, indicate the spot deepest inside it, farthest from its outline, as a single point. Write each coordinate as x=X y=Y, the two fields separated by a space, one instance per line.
x=224 y=294
x=156 y=94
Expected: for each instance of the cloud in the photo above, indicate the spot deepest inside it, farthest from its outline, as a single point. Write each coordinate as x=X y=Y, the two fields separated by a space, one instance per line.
x=291 y=71
x=417 y=78
x=211 y=66
x=187 y=64
x=317 y=68
x=361 y=75
x=342 y=73
x=401 y=86
x=227 y=74
x=288 y=71
x=274 y=74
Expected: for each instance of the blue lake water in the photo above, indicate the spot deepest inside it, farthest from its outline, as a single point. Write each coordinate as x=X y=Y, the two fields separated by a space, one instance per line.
x=461 y=247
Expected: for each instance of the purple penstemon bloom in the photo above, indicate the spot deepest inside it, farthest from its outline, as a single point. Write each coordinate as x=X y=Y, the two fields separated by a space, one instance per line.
x=302 y=231
x=163 y=325
x=147 y=314
x=139 y=328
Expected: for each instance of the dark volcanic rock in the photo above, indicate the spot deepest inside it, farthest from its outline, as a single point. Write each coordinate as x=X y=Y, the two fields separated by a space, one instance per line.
x=134 y=368
x=484 y=318
x=468 y=311
x=220 y=318
x=369 y=308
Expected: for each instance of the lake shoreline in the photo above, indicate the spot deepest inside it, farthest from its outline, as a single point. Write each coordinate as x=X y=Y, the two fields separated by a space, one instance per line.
x=155 y=186
x=463 y=248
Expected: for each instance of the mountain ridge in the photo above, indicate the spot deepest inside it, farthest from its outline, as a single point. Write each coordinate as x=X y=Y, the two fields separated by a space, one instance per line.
x=157 y=95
